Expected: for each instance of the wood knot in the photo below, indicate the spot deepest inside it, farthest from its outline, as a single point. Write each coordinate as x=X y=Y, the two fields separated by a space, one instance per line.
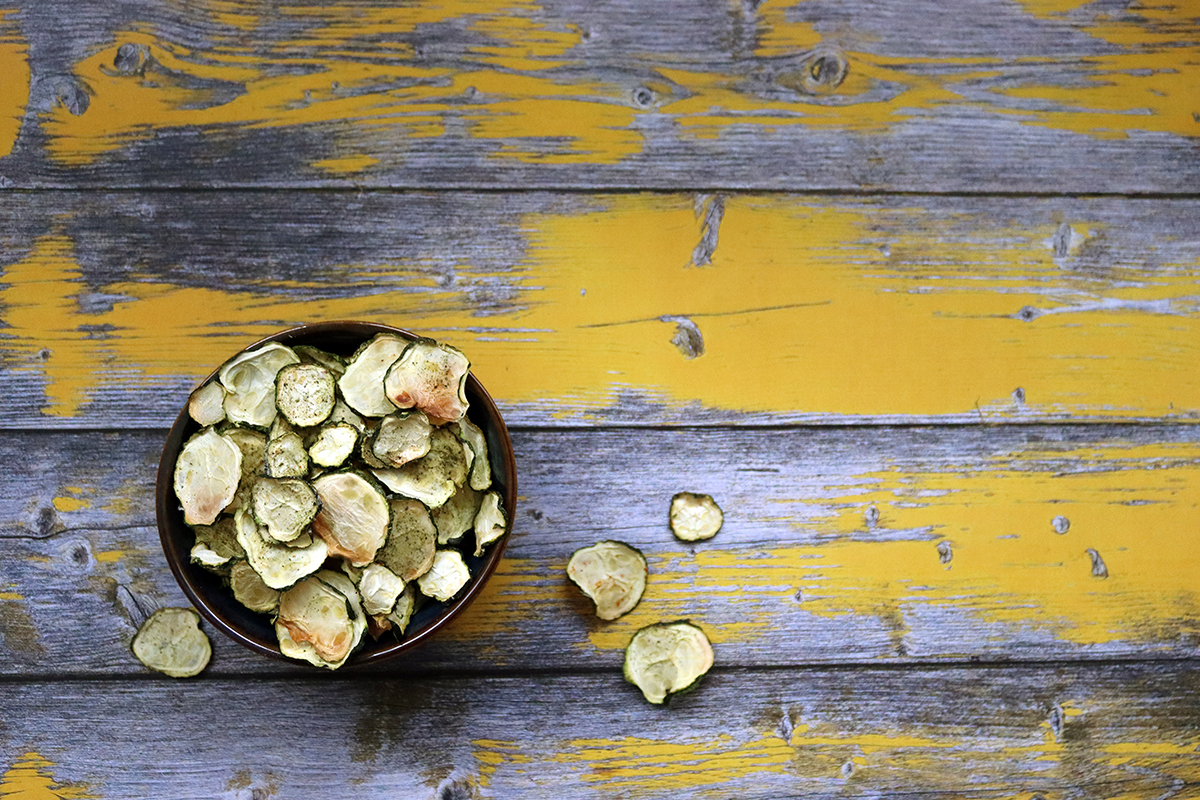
x=871 y=517
x=643 y=97
x=1061 y=524
x=847 y=769
x=1055 y=721
x=687 y=339
x=131 y=59
x=945 y=552
x=1099 y=568
x=71 y=95
x=823 y=71
x=1018 y=396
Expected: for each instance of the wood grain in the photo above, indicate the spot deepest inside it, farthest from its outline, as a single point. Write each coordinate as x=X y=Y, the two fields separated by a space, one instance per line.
x=905 y=545
x=1034 y=96
x=1066 y=731
x=626 y=309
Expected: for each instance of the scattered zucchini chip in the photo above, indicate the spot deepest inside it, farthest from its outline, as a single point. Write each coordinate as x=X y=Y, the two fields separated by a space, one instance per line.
x=401 y=437
x=612 y=574
x=447 y=576
x=379 y=587
x=286 y=456
x=320 y=620
x=412 y=541
x=285 y=507
x=249 y=589
x=362 y=382
x=667 y=658
x=456 y=516
x=354 y=516
x=432 y=377
x=207 y=404
x=207 y=473
x=304 y=394
x=171 y=642
x=333 y=445
x=434 y=478
x=279 y=564
x=695 y=517
x=249 y=382
x=490 y=523
x=315 y=355
x=481 y=467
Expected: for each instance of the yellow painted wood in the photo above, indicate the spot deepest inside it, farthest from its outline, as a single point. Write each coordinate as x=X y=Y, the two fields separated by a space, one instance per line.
x=14 y=86
x=808 y=309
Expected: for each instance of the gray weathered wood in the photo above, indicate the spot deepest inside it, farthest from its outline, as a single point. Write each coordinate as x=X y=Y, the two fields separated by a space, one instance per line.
x=1113 y=731
x=823 y=94
x=838 y=515
x=148 y=291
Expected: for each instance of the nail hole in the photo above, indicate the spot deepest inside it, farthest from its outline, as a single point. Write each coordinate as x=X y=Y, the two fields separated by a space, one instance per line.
x=871 y=517
x=945 y=553
x=1061 y=524
x=643 y=97
x=1028 y=313
x=1018 y=396
x=131 y=59
x=847 y=769
x=1099 y=568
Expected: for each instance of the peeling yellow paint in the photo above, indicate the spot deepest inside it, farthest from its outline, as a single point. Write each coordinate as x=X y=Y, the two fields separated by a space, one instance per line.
x=345 y=164
x=658 y=765
x=493 y=754
x=71 y=501
x=30 y=778
x=14 y=88
x=11 y=596
x=110 y=556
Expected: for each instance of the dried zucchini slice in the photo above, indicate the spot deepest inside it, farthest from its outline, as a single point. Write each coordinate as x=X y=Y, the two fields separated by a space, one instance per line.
x=253 y=445
x=315 y=355
x=279 y=565
x=456 y=516
x=612 y=573
x=695 y=517
x=320 y=620
x=481 y=467
x=412 y=542
x=401 y=437
x=354 y=516
x=379 y=587
x=362 y=383
x=217 y=543
x=207 y=404
x=171 y=642
x=447 y=576
x=333 y=445
x=249 y=381
x=286 y=455
x=667 y=658
x=249 y=589
x=344 y=413
x=490 y=523
x=207 y=473
x=208 y=558
x=284 y=507
x=434 y=478
x=432 y=377
x=304 y=394
x=406 y=603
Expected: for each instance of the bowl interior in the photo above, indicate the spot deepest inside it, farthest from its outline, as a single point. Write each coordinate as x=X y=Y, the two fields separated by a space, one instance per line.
x=255 y=631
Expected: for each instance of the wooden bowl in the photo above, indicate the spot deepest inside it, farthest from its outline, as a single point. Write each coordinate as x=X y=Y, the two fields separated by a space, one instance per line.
x=214 y=600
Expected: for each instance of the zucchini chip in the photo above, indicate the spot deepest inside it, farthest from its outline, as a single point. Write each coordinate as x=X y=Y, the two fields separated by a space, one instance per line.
x=253 y=445
x=286 y=455
x=171 y=642
x=304 y=394
x=249 y=589
x=695 y=517
x=432 y=377
x=249 y=382
x=207 y=473
x=216 y=545
x=284 y=507
x=612 y=574
x=401 y=437
x=362 y=383
x=320 y=620
x=402 y=612
x=490 y=522
x=207 y=404
x=412 y=542
x=354 y=516
x=434 y=478
x=379 y=587
x=315 y=355
x=456 y=516
x=667 y=658
x=447 y=576
x=278 y=564
x=334 y=444
x=481 y=467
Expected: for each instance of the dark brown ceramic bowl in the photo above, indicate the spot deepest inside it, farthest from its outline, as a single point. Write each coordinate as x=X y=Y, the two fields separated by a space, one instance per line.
x=255 y=631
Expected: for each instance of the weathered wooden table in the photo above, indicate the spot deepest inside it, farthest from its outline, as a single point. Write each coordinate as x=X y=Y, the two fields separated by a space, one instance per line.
x=909 y=288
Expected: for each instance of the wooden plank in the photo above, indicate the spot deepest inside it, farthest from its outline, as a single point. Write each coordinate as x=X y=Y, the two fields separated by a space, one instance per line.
x=839 y=545
x=1031 y=96
x=627 y=309
x=1097 y=732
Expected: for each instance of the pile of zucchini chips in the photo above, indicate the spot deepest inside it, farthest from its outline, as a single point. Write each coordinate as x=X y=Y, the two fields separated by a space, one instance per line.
x=335 y=494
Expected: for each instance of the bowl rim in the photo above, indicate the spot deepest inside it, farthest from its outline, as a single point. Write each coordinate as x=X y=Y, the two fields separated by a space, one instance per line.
x=179 y=559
